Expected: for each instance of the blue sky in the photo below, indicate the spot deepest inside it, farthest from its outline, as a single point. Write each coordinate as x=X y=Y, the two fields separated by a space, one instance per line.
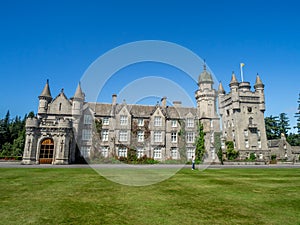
x=58 y=40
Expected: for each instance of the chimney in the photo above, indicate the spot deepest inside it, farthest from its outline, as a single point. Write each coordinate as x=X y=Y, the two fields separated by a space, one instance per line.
x=114 y=99
x=177 y=104
x=164 y=102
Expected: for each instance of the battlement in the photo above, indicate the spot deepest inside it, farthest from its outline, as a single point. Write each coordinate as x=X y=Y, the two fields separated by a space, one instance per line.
x=32 y=122
x=64 y=123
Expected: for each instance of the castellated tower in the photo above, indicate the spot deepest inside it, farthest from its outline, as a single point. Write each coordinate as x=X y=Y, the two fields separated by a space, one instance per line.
x=242 y=114
x=207 y=113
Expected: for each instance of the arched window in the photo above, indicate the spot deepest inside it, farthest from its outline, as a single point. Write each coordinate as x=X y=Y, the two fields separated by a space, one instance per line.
x=46 y=152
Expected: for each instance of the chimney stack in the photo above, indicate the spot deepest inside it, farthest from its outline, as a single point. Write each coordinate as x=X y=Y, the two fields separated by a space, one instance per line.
x=114 y=99
x=164 y=102
x=177 y=104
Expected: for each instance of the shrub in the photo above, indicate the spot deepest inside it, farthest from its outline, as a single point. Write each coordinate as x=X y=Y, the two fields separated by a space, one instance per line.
x=252 y=156
x=273 y=157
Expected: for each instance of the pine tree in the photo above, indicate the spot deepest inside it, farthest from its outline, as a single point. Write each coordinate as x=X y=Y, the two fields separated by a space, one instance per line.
x=297 y=115
x=283 y=124
x=272 y=128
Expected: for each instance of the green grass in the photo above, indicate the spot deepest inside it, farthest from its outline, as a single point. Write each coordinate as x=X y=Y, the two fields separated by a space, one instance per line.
x=213 y=196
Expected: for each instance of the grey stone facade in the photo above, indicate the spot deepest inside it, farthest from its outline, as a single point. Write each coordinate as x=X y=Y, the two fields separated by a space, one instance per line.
x=65 y=130
x=242 y=113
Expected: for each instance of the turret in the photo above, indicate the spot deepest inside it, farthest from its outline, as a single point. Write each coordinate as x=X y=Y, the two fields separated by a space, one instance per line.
x=205 y=80
x=44 y=99
x=221 y=94
x=77 y=101
x=259 y=88
x=221 y=90
x=234 y=84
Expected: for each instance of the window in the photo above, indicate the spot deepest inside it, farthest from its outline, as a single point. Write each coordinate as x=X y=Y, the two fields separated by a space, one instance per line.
x=86 y=134
x=249 y=109
x=123 y=135
x=104 y=135
x=87 y=119
x=258 y=133
x=105 y=121
x=157 y=153
x=140 y=152
x=259 y=144
x=174 y=137
x=190 y=122
x=190 y=137
x=173 y=123
x=250 y=121
x=122 y=152
x=190 y=152
x=174 y=153
x=140 y=122
x=123 y=120
x=157 y=121
x=246 y=143
x=104 y=151
x=157 y=136
x=85 y=151
x=140 y=136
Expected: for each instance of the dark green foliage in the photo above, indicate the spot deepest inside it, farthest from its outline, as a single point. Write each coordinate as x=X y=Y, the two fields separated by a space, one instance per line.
x=273 y=157
x=272 y=128
x=283 y=124
x=98 y=126
x=12 y=135
x=252 y=156
x=220 y=155
x=293 y=139
x=200 y=143
x=230 y=152
x=297 y=115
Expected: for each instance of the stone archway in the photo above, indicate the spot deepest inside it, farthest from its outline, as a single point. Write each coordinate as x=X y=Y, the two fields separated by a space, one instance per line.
x=46 y=151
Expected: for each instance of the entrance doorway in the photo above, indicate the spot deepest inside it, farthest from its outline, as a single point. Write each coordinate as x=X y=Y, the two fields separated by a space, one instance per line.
x=46 y=152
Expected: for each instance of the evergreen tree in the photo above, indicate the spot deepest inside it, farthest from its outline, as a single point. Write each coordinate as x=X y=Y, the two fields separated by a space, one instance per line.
x=297 y=115
x=200 y=143
x=283 y=124
x=272 y=128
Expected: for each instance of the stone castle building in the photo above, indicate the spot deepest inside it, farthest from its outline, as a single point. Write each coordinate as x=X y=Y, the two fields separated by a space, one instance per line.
x=242 y=113
x=65 y=130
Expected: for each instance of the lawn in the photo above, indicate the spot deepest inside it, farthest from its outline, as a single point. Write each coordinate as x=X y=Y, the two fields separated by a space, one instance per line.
x=212 y=196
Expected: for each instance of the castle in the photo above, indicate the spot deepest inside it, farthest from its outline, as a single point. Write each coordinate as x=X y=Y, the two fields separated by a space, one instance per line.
x=65 y=130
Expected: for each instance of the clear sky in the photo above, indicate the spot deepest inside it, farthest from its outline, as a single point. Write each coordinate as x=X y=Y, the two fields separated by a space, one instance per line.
x=58 y=40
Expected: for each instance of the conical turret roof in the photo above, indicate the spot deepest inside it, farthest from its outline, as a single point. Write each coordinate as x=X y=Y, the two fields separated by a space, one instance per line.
x=233 y=80
x=46 y=91
x=221 y=89
x=79 y=93
x=258 y=82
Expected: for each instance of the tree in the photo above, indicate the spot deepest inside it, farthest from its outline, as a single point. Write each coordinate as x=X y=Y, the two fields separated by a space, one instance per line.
x=297 y=115
x=283 y=124
x=272 y=128
x=200 y=143
x=230 y=152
